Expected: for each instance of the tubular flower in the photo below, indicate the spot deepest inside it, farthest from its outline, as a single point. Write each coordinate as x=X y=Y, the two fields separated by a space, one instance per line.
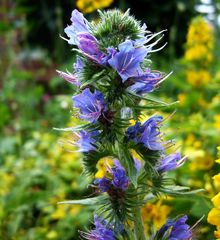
x=91 y=105
x=147 y=134
x=170 y=162
x=118 y=180
x=127 y=61
x=145 y=83
x=102 y=231
x=89 y=45
x=69 y=77
x=175 y=230
x=86 y=141
x=79 y=25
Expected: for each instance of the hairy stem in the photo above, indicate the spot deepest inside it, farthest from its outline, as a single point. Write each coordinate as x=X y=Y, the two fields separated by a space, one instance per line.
x=138 y=224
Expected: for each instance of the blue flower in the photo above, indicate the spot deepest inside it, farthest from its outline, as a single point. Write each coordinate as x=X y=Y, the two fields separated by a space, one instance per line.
x=147 y=134
x=102 y=231
x=119 y=177
x=104 y=184
x=180 y=230
x=79 y=25
x=145 y=83
x=175 y=230
x=91 y=105
x=170 y=162
x=86 y=141
x=127 y=61
x=89 y=45
x=118 y=180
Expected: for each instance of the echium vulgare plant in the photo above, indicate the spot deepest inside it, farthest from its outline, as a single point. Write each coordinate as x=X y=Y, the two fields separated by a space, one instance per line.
x=112 y=78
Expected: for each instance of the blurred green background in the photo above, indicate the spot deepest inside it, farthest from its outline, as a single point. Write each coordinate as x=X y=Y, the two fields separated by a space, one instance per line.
x=36 y=169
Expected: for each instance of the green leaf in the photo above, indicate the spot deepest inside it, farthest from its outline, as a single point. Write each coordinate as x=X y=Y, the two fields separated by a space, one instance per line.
x=86 y=201
x=179 y=190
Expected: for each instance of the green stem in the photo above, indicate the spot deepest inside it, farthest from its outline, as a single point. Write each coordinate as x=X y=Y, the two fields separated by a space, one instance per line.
x=138 y=225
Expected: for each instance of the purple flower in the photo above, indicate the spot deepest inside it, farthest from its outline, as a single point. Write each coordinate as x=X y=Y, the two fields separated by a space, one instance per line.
x=91 y=105
x=127 y=61
x=120 y=179
x=104 y=184
x=147 y=134
x=180 y=230
x=79 y=25
x=89 y=45
x=171 y=162
x=86 y=141
x=145 y=83
x=102 y=231
x=175 y=230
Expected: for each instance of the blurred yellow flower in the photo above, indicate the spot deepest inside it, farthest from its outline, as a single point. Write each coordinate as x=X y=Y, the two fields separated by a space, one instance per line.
x=214 y=217
x=87 y=6
x=217 y=121
x=52 y=235
x=200 y=41
x=198 y=78
x=181 y=98
x=217 y=233
x=155 y=213
x=201 y=160
x=6 y=179
x=216 y=201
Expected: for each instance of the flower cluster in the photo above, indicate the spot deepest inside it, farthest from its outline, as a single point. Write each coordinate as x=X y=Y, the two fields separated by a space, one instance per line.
x=200 y=42
x=112 y=76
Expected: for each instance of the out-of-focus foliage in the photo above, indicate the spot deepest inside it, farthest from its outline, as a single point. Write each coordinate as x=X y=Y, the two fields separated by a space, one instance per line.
x=33 y=181
x=196 y=86
x=35 y=171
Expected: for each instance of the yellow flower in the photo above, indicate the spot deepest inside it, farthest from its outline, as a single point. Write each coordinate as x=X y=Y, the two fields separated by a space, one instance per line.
x=214 y=217
x=59 y=213
x=52 y=235
x=155 y=213
x=217 y=233
x=216 y=201
x=217 y=121
x=201 y=160
x=216 y=179
x=198 y=78
x=200 y=41
x=181 y=98
x=87 y=6
x=102 y=165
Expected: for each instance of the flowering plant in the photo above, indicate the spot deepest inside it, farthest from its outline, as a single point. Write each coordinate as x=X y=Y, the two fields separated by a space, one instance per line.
x=113 y=79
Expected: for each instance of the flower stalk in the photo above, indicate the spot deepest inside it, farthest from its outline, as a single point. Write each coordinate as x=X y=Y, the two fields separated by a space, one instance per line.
x=112 y=81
